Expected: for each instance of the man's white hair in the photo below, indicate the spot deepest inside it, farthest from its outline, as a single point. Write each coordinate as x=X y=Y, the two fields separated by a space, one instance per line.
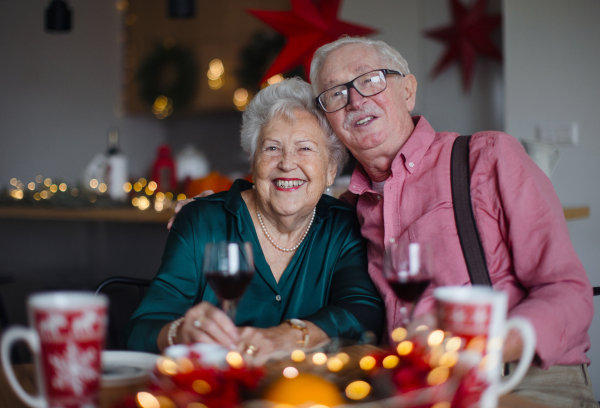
x=387 y=54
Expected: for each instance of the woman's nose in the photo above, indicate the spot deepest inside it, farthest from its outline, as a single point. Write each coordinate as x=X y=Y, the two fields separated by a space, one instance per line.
x=287 y=162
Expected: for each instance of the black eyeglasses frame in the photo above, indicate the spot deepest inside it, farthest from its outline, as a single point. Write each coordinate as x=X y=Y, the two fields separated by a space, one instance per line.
x=350 y=84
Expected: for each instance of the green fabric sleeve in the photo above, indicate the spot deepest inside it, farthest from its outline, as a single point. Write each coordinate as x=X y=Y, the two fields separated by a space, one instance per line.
x=172 y=292
x=354 y=304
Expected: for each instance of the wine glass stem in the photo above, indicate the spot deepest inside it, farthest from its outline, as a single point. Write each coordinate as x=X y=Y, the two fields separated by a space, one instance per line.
x=229 y=306
x=407 y=310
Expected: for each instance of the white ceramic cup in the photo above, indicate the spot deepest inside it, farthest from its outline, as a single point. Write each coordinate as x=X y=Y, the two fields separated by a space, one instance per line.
x=66 y=337
x=545 y=155
x=477 y=314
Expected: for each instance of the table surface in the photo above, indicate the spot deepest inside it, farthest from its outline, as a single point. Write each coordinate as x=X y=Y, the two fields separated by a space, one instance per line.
x=110 y=395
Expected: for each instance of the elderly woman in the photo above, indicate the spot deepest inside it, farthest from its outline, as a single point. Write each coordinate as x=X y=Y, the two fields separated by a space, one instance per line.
x=310 y=259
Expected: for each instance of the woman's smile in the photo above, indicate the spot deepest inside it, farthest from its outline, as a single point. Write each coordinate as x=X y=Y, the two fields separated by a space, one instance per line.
x=288 y=184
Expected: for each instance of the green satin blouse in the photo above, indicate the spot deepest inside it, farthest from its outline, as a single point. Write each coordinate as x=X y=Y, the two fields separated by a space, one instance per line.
x=326 y=282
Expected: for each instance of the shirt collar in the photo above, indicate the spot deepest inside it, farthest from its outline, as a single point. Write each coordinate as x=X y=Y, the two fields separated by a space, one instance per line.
x=415 y=146
x=412 y=151
x=233 y=197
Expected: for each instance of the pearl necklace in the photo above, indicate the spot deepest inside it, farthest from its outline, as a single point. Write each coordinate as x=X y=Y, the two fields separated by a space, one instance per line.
x=262 y=225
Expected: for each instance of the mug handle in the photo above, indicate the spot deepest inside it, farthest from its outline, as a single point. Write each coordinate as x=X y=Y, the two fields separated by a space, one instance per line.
x=30 y=337
x=528 y=335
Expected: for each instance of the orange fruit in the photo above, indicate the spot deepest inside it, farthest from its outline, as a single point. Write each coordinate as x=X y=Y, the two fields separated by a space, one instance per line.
x=302 y=389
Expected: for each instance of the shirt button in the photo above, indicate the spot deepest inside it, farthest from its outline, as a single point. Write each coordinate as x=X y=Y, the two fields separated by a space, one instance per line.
x=378 y=197
x=392 y=240
x=278 y=298
x=411 y=164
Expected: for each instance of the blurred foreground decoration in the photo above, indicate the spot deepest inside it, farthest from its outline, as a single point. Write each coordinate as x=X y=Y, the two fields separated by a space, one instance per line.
x=427 y=369
x=306 y=27
x=217 y=31
x=467 y=37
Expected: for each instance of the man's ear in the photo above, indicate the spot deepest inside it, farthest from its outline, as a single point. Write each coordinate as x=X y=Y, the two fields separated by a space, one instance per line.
x=410 y=91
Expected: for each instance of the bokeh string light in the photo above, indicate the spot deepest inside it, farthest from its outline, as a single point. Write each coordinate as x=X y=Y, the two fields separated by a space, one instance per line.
x=215 y=74
x=143 y=194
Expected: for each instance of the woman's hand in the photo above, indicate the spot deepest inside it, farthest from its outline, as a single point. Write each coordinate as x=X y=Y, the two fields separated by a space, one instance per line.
x=259 y=345
x=203 y=323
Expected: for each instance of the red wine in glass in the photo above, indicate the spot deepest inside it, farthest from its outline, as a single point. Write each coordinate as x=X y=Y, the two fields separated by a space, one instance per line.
x=406 y=269
x=229 y=287
x=228 y=268
x=409 y=291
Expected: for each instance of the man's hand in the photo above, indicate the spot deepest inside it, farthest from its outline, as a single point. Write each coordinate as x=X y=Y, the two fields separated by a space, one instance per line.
x=181 y=203
x=513 y=346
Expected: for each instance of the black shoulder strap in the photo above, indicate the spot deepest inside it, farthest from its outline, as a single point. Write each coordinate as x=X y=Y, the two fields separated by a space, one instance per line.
x=463 y=213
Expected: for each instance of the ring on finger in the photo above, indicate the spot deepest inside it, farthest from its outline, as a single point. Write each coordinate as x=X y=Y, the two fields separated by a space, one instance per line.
x=197 y=323
x=251 y=349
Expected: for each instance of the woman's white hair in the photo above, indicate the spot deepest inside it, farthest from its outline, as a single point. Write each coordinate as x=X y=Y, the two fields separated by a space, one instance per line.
x=387 y=54
x=280 y=100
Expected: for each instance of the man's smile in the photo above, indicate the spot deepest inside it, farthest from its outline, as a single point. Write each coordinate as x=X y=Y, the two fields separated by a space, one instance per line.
x=365 y=121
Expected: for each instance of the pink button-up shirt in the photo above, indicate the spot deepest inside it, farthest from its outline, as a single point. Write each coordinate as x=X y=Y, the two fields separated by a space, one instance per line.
x=521 y=223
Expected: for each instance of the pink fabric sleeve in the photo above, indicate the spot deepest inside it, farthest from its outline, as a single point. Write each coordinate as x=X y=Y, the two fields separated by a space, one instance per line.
x=559 y=303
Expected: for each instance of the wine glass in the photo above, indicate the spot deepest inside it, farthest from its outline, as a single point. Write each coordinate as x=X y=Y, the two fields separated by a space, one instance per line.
x=229 y=268
x=407 y=269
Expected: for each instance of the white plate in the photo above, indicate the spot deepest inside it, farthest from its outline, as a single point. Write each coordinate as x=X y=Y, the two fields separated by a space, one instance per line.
x=126 y=367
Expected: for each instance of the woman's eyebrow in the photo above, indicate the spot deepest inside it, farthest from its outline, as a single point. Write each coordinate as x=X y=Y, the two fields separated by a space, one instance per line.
x=306 y=141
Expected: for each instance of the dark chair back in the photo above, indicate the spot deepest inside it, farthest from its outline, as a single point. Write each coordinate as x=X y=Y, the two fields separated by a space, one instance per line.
x=4 y=322
x=124 y=294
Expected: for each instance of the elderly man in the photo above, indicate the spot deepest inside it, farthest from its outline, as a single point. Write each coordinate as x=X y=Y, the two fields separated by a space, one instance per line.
x=402 y=193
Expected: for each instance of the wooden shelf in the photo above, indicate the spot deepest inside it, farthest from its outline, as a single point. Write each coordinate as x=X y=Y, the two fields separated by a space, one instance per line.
x=125 y=215
x=575 y=213
x=149 y=216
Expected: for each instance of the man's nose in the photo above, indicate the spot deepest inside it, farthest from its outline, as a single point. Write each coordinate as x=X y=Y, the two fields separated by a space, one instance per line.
x=355 y=100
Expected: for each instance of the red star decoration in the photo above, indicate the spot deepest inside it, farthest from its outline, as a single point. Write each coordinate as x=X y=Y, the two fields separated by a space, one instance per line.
x=306 y=27
x=468 y=36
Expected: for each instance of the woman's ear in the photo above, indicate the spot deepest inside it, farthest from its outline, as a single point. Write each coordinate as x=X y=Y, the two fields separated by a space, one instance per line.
x=331 y=172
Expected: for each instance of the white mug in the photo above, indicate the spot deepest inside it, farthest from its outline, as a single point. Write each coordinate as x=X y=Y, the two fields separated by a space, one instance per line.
x=66 y=337
x=477 y=314
x=545 y=155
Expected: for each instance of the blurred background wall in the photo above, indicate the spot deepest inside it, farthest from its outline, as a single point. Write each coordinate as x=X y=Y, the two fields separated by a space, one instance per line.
x=551 y=51
x=59 y=95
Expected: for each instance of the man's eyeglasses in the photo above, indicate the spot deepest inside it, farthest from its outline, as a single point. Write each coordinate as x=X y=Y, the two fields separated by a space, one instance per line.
x=368 y=84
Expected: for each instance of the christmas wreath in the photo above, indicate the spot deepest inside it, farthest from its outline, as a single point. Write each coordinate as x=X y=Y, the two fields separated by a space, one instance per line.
x=169 y=72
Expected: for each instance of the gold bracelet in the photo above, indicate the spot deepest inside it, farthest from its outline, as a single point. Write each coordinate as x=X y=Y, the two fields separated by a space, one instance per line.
x=173 y=330
x=300 y=325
